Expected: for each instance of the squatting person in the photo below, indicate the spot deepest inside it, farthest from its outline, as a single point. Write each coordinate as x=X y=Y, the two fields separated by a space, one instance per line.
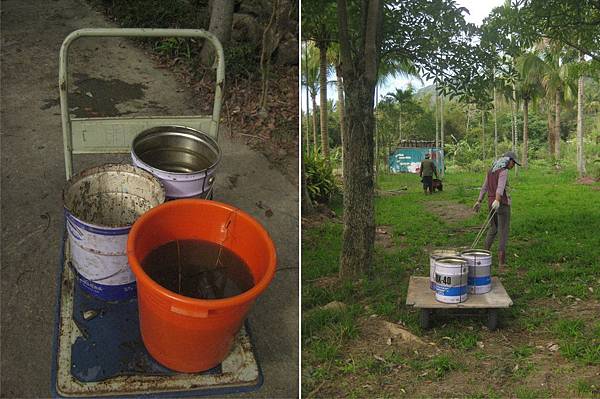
x=495 y=184
x=426 y=172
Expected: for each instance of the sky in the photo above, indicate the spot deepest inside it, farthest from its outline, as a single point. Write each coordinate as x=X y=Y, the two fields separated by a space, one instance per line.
x=478 y=10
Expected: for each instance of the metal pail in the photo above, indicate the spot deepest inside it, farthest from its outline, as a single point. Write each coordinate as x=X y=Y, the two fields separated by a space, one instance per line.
x=480 y=270
x=436 y=254
x=184 y=159
x=101 y=204
x=451 y=274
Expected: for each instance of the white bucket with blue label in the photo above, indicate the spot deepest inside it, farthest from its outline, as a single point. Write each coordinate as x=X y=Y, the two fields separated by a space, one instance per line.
x=480 y=270
x=433 y=256
x=451 y=274
x=101 y=204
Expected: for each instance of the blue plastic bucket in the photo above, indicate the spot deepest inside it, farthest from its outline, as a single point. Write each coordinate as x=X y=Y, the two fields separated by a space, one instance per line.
x=101 y=204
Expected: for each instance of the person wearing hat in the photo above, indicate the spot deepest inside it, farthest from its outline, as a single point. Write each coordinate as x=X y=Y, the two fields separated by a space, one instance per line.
x=426 y=172
x=495 y=184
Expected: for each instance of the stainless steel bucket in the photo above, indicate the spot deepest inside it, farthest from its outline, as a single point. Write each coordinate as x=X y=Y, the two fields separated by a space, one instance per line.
x=184 y=159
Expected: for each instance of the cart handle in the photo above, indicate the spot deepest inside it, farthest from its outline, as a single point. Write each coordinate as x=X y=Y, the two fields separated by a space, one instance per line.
x=63 y=82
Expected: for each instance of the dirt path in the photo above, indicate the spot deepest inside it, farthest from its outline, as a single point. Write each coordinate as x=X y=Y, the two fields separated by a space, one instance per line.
x=33 y=176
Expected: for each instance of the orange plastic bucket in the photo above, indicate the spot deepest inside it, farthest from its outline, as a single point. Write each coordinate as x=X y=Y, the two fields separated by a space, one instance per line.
x=188 y=334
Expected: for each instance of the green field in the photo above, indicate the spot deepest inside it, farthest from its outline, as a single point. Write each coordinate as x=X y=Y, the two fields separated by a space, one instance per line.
x=548 y=343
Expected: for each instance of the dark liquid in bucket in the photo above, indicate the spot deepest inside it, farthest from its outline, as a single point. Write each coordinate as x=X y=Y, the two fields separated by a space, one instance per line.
x=198 y=269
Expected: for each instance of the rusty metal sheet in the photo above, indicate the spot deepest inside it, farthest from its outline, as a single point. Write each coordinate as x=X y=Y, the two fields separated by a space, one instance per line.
x=239 y=372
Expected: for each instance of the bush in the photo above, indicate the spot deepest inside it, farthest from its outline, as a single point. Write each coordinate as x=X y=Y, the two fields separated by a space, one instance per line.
x=320 y=181
x=593 y=169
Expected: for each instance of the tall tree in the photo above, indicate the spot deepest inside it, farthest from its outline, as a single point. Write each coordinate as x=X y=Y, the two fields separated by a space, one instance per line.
x=322 y=45
x=529 y=88
x=580 y=100
x=311 y=81
x=318 y=25
x=435 y=37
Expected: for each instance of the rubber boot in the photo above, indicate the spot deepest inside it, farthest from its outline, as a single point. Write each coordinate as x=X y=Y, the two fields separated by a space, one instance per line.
x=501 y=261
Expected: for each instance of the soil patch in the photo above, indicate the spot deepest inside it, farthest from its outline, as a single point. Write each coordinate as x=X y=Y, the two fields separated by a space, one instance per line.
x=322 y=213
x=586 y=180
x=450 y=212
x=384 y=239
x=512 y=361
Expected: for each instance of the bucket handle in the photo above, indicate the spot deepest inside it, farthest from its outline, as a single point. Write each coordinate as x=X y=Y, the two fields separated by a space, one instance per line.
x=197 y=313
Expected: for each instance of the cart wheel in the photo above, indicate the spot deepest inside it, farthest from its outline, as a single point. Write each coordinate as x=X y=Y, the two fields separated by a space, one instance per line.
x=492 y=319
x=425 y=318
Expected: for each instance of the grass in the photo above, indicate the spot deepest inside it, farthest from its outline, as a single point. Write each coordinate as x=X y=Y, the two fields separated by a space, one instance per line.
x=554 y=258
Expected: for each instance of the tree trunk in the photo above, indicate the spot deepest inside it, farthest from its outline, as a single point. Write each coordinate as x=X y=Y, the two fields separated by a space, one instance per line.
x=550 y=107
x=557 y=126
x=580 y=158
x=400 y=122
x=360 y=76
x=437 y=127
x=341 y=107
x=514 y=116
x=314 y=123
x=221 y=19
x=376 y=137
x=483 y=134
x=495 y=125
x=525 y=132
x=442 y=123
x=307 y=101
x=322 y=45
x=306 y=203
x=468 y=118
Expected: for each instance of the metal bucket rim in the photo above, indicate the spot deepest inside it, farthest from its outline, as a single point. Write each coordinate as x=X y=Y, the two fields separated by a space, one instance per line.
x=197 y=134
x=452 y=260
x=475 y=252
x=96 y=169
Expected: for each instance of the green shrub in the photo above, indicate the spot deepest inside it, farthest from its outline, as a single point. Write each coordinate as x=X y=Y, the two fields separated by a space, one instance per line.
x=593 y=169
x=320 y=181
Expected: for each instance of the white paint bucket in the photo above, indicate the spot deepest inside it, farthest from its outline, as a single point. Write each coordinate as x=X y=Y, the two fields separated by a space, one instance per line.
x=184 y=159
x=451 y=279
x=480 y=270
x=101 y=204
x=436 y=254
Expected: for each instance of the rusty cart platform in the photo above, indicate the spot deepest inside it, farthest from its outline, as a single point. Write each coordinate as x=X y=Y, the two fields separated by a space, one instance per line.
x=421 y=296
x=98 y=351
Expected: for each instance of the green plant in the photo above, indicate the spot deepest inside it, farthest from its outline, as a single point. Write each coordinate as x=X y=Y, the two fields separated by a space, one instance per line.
x=442 y=365
x=320 y=182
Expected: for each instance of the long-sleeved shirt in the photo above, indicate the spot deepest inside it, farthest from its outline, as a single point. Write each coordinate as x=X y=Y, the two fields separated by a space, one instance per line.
x=500 y=188
x=428 y=168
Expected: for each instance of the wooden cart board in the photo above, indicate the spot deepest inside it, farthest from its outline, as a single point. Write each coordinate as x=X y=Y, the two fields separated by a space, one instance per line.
x=421 y=296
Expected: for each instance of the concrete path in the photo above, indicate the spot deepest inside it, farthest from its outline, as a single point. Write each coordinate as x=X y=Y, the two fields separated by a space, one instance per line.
x=33 y=177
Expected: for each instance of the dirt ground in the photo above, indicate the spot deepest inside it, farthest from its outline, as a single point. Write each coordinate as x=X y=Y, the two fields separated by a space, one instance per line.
x=393 y=366
x=110 y=77
x=450 y=212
